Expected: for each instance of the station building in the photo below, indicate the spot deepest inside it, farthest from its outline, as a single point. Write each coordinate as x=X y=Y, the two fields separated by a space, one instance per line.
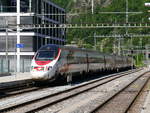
x=17 y=13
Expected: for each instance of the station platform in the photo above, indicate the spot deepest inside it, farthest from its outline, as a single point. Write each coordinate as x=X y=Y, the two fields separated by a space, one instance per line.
x=14 y=79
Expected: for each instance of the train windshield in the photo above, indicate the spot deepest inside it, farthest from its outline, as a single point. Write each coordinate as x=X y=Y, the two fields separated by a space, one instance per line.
x=45 y=55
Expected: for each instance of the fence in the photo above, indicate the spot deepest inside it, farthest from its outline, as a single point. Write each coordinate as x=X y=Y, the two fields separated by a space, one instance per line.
x=10 y=66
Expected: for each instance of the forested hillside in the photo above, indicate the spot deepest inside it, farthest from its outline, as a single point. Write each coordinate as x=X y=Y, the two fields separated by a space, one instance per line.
x=84 y=37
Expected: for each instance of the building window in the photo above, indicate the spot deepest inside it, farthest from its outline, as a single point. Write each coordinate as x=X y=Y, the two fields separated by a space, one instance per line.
x=51 y=12
x=39 y=42
x=28 y=43
x=24 y=5
x=12 y=40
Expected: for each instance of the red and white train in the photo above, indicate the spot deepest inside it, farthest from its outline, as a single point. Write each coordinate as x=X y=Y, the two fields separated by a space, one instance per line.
x=52 y=61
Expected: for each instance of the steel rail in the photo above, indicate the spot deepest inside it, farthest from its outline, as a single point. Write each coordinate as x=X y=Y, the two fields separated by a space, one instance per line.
x=39 y=103
x=128 y=91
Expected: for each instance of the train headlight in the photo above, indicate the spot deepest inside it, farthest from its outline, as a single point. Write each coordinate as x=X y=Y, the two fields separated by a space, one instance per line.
x=37 y=68
x=48 y=68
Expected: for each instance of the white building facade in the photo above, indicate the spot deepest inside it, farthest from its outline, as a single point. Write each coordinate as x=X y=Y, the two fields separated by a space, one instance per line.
x=17 y=13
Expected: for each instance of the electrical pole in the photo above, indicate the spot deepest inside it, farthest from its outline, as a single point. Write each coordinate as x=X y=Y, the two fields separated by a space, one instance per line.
x=92 y=6
x=127 y=10
x=18 y=35
x=6 y=42
x=119 y=46
x=30 y=5
x=127 y=16
x=147 y=59
x=94 y=41
x=127 y=19
x=114 y=46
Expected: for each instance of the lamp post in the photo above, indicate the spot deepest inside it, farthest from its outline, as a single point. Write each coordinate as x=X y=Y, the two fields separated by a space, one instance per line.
x=6 y=43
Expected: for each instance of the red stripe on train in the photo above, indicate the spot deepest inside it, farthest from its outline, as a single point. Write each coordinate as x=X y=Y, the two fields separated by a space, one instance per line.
x=42 y=62
x=47 y=62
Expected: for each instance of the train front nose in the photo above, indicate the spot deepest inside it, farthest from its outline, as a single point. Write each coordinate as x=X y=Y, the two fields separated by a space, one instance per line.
x=39 y=75
x=42 y=73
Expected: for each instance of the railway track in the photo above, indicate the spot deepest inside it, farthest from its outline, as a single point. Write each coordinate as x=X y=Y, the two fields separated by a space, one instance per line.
x=122 y=100
x=17 y=89
x=10 y=92
x=42 y=102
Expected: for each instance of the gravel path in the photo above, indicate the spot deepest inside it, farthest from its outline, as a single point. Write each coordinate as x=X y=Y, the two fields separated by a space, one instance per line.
x=83 y=103
x=29 y=96
x=139 y=103
x=121 y=102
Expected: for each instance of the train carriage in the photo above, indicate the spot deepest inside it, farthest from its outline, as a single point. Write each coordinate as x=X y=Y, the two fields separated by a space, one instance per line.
x=52 y=61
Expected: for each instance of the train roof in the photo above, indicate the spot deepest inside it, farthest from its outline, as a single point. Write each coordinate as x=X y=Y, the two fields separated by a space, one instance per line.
x=49 y=47
x=54 y=47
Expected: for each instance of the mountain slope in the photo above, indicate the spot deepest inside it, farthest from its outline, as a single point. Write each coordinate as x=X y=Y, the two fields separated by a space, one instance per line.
x=84 y=37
